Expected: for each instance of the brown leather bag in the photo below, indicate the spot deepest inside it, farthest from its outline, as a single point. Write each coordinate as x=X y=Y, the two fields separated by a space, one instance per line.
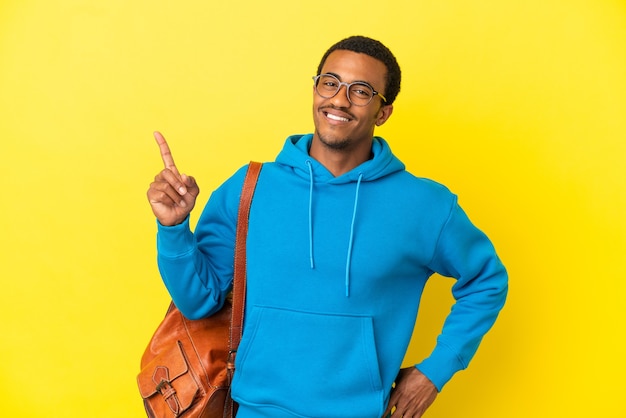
x=187 y=368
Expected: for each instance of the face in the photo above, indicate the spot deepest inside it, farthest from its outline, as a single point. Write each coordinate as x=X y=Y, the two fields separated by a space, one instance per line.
x=339 y=124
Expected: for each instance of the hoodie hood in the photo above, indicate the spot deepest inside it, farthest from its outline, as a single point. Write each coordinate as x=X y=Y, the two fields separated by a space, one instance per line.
x=295 y=154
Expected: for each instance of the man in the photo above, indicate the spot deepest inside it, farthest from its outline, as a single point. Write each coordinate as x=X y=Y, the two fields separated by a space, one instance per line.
x=341 y=242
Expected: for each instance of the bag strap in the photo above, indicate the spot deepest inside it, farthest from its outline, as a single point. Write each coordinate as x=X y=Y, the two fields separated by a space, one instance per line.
x=239 y=280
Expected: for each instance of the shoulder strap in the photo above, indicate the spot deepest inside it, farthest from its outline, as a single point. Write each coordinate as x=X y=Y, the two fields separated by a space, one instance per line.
x=239 y=280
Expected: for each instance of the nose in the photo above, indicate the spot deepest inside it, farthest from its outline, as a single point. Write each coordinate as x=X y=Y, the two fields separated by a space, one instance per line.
x=341 y=98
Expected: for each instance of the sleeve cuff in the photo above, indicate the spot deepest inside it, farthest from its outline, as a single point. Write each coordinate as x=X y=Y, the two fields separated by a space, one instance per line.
x=441 y=365
x=175 y=241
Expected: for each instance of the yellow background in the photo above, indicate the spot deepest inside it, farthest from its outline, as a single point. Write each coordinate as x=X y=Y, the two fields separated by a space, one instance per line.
x=518 y=106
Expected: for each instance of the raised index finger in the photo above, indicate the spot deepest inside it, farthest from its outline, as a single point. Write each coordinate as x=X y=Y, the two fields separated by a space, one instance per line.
x=166 y=154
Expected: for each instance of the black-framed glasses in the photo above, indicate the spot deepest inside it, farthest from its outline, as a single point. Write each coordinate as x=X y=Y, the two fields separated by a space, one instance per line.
x=359 y=93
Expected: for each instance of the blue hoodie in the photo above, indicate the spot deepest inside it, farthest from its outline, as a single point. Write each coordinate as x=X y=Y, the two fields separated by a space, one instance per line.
x=336 y=268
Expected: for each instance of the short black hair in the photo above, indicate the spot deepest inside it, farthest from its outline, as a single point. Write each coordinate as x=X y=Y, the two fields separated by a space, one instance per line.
x=374 y=49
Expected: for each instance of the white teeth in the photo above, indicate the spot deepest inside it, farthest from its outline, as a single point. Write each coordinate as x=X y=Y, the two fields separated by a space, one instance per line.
x=338 y=118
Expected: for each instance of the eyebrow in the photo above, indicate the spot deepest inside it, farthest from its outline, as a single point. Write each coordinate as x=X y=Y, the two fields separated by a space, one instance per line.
x=355 y=81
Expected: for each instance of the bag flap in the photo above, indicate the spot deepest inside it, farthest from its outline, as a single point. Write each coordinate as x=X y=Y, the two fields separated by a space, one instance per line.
x=170 y=366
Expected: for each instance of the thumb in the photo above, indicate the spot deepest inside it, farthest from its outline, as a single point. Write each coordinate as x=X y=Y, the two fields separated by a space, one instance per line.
x=190 y=183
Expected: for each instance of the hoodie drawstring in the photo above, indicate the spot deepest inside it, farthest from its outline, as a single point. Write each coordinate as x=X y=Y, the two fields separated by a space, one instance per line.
x=351 y=240
x=349 y=256
x=308 y=163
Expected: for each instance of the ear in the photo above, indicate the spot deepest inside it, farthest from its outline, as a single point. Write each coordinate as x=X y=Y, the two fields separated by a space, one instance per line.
x=383 y=114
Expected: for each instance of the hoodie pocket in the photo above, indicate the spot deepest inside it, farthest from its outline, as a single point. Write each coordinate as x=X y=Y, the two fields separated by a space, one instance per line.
x=310 y=364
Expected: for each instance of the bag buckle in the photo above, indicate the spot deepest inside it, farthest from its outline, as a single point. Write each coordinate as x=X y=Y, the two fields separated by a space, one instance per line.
x=165 y=388
x=230 y=360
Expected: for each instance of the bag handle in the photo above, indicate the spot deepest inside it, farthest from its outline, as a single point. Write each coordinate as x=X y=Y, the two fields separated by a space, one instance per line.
x=239 y=280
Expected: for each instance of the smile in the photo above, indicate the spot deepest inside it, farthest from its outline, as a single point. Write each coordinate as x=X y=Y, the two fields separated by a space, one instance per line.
x=335 y=117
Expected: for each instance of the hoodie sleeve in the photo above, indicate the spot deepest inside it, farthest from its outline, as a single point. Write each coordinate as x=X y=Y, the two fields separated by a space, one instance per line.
x=197 y=268
x=465 y=253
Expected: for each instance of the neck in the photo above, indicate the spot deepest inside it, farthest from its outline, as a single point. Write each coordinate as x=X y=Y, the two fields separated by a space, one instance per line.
x=339 y=161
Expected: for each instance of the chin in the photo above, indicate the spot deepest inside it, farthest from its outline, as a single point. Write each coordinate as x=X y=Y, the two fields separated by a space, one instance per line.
x=334 y=143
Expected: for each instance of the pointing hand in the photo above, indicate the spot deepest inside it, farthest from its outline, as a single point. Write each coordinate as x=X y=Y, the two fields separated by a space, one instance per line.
x=172 y=195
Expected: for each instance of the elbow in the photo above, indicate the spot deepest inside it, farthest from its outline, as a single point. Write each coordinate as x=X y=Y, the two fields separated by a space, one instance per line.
x=194 y=309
